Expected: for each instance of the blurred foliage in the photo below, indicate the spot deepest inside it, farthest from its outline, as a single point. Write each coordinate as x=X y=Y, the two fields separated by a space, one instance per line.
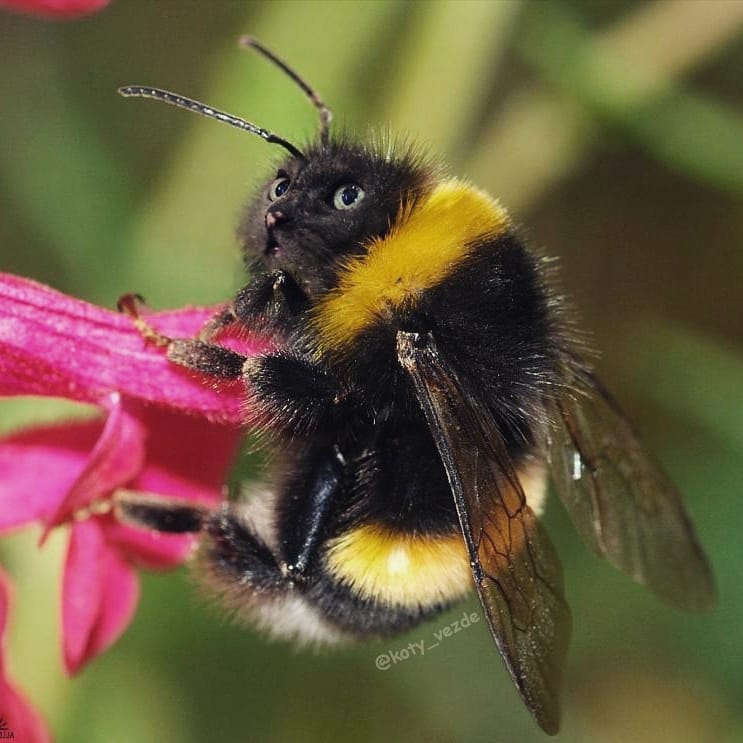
x=613 y=129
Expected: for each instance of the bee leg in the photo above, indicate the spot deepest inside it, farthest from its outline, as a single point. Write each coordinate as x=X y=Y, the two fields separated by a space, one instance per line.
x=271 y=301
x=236 y=559
x=159 y=512
x=264 y=304
x=192 y=353
x=132 y=305
x=295 y=394
x=232 y=555
x=268 y=303
x=315 y=491
x=206 y=358
x=214 y=325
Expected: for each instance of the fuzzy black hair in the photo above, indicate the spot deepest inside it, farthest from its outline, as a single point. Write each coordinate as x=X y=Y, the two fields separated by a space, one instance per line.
x=310 y=235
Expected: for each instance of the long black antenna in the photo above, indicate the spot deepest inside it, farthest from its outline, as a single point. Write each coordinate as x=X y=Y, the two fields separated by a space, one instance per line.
x=201 y=108
x=325 y=114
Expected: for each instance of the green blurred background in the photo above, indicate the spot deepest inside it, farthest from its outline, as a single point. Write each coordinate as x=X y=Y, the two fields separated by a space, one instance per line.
x=613 y=131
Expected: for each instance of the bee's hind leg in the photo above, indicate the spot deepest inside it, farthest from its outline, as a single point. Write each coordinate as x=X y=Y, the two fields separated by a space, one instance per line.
x=236 y=560
x=233 y=555
x=239 y=562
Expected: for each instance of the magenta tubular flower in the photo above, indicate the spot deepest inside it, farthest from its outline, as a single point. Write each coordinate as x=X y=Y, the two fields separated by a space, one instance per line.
x=55 y=9
x=17 y=716
x=162 y=429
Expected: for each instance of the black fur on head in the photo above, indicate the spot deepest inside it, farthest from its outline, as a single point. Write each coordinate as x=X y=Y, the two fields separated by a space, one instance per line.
x=300 y=222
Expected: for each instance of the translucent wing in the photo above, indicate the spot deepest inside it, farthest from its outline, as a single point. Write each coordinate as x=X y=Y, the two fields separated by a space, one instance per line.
x=621 y=501
x=516 y=571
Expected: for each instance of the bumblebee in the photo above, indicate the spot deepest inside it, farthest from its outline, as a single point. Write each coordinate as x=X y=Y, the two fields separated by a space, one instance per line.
x=426 y=378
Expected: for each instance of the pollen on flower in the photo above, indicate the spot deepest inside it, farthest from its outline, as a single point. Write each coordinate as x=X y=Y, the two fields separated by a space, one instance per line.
x=94 y=508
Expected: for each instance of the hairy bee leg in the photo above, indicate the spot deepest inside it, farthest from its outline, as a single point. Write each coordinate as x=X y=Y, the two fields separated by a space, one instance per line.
x=271 y=299
x=206 y=358
x=232 y=555
x=297 y=395
x=159 y=513
x=193 y=353
x=236 y=558
x=275 y=294
x=214 y=325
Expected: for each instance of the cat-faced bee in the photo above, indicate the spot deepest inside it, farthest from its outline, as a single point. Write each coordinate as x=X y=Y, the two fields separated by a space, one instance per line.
x=426 y=380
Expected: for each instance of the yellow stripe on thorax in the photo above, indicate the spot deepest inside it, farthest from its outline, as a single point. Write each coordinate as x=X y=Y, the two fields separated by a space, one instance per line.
x=401 y=569
x=421 y=250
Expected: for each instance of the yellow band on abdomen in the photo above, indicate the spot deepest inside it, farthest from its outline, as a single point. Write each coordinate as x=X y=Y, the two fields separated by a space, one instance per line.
x=401 y=569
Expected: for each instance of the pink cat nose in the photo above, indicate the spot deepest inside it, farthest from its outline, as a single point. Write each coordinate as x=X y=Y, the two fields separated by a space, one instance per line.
x=273 y=218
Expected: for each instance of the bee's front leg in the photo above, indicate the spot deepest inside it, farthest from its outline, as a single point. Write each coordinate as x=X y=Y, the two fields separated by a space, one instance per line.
x=271 y=303
x=268 y=304
x=206 y=358
x=292 y=394
x=193 y=353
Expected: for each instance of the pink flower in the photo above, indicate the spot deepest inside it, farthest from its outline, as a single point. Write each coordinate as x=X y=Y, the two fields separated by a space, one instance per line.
x=55 y=8
x=19 y=717
x=162 y=430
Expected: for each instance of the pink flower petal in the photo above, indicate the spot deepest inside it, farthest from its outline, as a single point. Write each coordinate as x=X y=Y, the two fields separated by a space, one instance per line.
x=148 y=549
x=82 y=591
x=118 y=603
x=22 y=720
x=169 y=431
x=39 y=466
x=55 y=8
x=186 y=457
x=116 y=459
x=5 y=591
x=47 y=473
x=54 y=345
x=99 y=594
